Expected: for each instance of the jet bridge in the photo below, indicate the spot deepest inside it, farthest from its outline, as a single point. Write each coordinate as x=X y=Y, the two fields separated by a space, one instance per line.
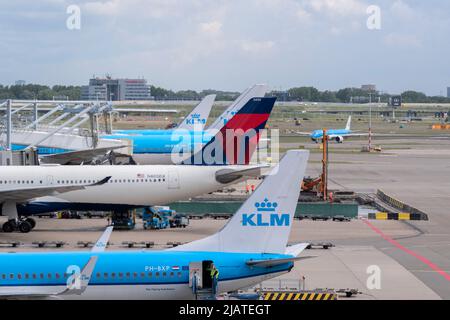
x=59 y=129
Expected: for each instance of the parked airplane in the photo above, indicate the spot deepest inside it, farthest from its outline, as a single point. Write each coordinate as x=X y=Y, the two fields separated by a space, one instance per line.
x=28 y=190
x=258 y=90
x=334 y=134
x=156 y=146
x=251 y=248
x=195 y=120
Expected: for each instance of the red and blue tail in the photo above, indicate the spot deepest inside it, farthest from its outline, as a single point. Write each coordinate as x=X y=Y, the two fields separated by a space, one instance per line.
x=237 y=140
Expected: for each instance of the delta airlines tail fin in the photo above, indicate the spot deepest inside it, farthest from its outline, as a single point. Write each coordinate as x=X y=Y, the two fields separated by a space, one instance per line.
x=349 y=122
x=258 y=90
x=263 y=223
x=237 y=140
x=199 y=116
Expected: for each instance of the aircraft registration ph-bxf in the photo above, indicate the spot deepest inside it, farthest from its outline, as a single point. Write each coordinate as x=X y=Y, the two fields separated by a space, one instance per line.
x=28 y=190
x=252 y=247
x=334 y=134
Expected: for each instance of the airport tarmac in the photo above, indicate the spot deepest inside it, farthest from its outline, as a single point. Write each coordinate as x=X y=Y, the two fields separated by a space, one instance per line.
x=340 y=267
x=414 y=257
x=416 y=172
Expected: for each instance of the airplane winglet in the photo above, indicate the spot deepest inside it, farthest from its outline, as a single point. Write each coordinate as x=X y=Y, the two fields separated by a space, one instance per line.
x=102 y=242
x=275 y=262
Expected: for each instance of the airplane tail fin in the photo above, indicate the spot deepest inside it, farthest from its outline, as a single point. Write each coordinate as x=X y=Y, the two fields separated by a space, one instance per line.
x=349 y=123
x=263 y=223
x=258 y=90
x=199 y=116
x=237 y=140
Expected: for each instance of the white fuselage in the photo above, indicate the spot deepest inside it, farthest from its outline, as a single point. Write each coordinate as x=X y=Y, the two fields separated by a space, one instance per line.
x=128 y=185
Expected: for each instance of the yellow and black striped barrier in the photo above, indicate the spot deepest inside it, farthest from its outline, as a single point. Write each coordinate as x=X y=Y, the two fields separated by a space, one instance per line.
x=299 y=296
x=394 y=216
x=414 y=213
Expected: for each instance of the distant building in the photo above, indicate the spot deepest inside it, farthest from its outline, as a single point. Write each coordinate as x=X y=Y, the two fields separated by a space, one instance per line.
x=116 y=89
x=369 y=87
x=20 y=82
x=448 y=92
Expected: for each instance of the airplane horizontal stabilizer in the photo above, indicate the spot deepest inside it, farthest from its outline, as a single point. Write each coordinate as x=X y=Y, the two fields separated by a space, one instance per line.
x=296 y=249
x=275 y=262
x=230 y=175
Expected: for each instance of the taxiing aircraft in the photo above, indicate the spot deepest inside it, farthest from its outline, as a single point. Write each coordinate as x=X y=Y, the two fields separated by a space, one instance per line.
x=251 y=248
x=28 y=190
x=334 y=134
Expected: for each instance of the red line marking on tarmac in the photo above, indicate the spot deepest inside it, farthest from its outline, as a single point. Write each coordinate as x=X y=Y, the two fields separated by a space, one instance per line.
x=408 y=251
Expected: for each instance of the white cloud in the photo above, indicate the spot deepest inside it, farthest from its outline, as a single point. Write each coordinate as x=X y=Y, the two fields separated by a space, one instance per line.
x=338 y=7
x=257 y=46
x=211 y=28
x=402 y=40
x=107 y=8
x=178 y=43
x=401 y=10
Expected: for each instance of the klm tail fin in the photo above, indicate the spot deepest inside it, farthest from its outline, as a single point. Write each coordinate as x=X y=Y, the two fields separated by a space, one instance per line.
x=199 y=116
x=349 y=122
x=258 y=90
x=237 y=140
x=263 y=223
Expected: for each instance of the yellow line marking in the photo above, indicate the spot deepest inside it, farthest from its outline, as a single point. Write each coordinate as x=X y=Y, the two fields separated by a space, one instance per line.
x=297 y=296
x=319 y=296
x=267 y=296
x=327 y=295
x=311 y=297
x=275 y=295
x=289 y=296
x=282 y=296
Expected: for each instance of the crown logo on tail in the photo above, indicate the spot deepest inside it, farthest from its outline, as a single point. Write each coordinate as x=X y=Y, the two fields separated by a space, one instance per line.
x=266 y=206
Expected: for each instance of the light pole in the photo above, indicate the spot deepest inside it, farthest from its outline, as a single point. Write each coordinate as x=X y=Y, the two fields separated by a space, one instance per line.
x=370 y=127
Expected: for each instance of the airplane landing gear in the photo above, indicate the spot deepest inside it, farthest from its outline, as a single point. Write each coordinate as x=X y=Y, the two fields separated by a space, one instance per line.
x=9 y=226
x=31 y=221
x=15 y=223
x=25 y=226
x=22 y=225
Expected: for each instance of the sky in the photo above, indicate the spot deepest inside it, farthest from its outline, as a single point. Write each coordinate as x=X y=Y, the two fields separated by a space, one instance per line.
x=229 y=44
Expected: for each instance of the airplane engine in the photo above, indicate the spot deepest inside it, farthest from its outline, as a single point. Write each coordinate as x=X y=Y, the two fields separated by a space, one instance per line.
x=339 y=139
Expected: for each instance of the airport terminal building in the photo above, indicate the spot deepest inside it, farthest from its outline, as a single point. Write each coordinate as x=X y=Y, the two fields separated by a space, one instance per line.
x=116 y=89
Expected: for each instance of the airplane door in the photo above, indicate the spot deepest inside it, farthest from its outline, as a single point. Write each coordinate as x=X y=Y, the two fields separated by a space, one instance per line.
x=173 y=179
x=196 y=273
